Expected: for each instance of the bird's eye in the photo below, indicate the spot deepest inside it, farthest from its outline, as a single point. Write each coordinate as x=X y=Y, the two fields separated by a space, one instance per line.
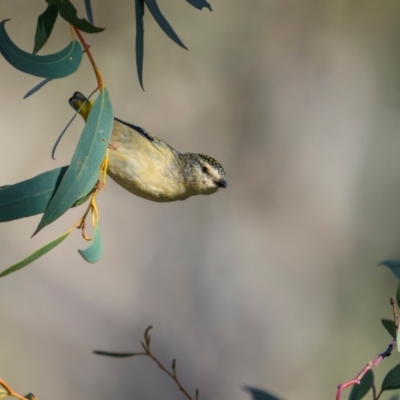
x=204 y=169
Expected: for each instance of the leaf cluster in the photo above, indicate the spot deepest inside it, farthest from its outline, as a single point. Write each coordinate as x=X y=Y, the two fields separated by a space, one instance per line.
x=54 y=192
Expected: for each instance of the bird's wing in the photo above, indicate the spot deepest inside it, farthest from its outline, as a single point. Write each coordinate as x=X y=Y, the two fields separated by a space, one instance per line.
x=142 y=131
x=160 y=145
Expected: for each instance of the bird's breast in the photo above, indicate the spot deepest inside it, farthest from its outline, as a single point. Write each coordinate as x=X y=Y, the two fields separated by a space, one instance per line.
x=146 y=173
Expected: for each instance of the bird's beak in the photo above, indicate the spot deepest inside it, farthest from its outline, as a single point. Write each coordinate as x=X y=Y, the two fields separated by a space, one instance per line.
x=221 y=183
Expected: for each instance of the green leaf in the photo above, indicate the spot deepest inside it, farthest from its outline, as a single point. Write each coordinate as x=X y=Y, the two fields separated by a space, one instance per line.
x=83 y=172
x=199 y=4
x=57 y=65
x=162 y=22
x=89 y=13
x=395 y=397
x=139 y=12
x=258 y=394
x=34 y=256
x=360 y=390
x=37 y=87
x=398 y=294
x=392 y=379
x=44 y=27
x=92 y=253
x=31 y=197
x=389 y=326
x=69 y=13
x=30 y=396
x=111 y=354
x=393 y=265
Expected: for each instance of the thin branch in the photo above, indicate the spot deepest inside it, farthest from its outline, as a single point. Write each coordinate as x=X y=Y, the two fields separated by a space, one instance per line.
x=99 y=77
x=147 y=352
x=10 y=391
x=376 y=361
x=173 y=376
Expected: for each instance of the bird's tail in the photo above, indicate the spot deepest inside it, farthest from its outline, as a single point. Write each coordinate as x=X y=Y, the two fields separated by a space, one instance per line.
x=81 y=104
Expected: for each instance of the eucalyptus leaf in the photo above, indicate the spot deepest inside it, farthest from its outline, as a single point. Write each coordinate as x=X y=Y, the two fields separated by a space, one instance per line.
x=259 y=394
x=111 y=354
x=31 y=197
x=84 y=169
x=37 y=87
x=393 y=265
x=92 y=253
x=199 y=4
x=139 y=12
x=34 y=256
x=69 y=13
x=44 y=27
x=162 y=22
x=89 y=13
x=57 y=65
x=398 y=294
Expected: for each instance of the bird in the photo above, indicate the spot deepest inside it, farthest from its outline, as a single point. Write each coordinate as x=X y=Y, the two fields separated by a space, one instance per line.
x=150 y=168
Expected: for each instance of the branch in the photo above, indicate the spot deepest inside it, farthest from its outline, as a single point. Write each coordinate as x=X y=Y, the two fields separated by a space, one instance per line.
x=99 y=77
x=172 y=374
x=376 y=361
x=9 y=391
x=147 y=352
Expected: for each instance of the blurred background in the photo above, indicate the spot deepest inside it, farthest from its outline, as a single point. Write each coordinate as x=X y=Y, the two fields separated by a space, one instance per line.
x=272 y=282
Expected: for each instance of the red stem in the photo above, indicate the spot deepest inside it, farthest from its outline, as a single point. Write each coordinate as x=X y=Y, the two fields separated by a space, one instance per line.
x=99 y=78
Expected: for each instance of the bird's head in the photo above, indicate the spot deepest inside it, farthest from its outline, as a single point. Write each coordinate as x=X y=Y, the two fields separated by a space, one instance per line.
x=203 y=174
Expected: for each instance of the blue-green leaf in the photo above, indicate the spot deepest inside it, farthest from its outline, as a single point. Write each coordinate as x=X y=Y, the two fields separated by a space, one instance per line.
x=162 y=22
x=37 y=87
x=398 y=294
x=69 y=13
x=89 y=13
x=258 y=394
x=360 y=390
x=139 y=12
x=34 y=256
x=29 y=197
x=44 y=27
x=392 y=379
x=112 y=354
x=57 y=65
x=393 y=265
x=199 y=4
x=92 y=253
x=389 y=326
x=83 y=172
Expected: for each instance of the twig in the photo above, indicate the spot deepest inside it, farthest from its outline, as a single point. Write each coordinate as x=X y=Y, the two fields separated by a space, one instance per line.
x=9 y=391
x=172 y=373
x=147 y=352
x=393 y=303
x=99 y=77
x=374 y=362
